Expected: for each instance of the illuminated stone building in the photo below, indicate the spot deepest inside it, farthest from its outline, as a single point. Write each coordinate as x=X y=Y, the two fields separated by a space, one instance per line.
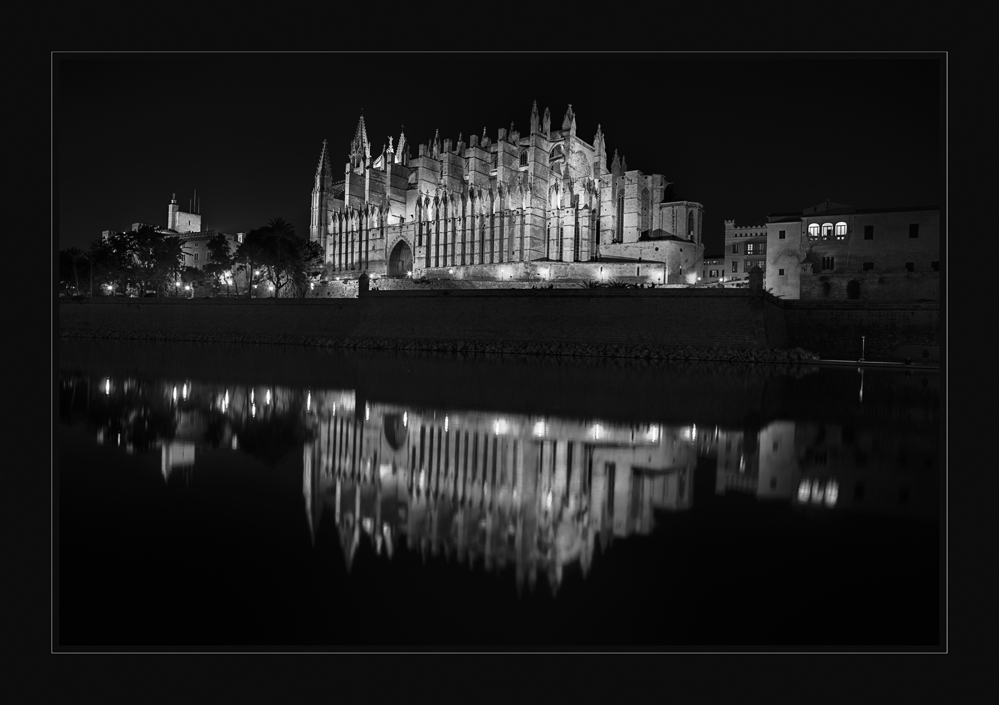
x=745 y=248
x=836 y=251
x=532 y=206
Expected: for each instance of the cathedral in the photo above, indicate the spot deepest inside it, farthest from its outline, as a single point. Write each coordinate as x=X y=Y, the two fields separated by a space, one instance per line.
x=524 y=207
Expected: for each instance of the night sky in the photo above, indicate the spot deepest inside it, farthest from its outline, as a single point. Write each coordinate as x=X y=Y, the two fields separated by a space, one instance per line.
x=745 y=135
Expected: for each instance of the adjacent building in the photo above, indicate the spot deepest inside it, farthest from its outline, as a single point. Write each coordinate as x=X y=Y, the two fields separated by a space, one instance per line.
x=836 y=251
x=745 y=248
x=538 y=205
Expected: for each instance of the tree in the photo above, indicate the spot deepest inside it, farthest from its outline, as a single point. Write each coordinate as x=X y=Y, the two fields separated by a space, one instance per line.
x=309 y=265
x=76 y=254
x=221 y=259
x=158 y=258
x=250 y=255
x=113 y=258
x=282 y=252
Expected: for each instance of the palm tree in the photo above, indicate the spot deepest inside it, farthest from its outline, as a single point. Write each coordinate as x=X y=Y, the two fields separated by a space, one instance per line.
x=76 y=254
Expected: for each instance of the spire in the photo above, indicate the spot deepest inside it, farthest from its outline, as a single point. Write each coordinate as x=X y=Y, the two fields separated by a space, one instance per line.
x=616 y=165
x=400 y=150
x=322 y=157
x=360 y=145
x=437 y=145
x=535 y=121
x=546 y=123
x=569 y=118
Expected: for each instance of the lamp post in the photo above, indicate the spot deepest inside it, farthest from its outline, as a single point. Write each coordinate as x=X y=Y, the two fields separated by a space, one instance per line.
x=862 y=346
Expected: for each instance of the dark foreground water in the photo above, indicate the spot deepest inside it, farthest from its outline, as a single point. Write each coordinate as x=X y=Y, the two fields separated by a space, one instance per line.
x=233 y=497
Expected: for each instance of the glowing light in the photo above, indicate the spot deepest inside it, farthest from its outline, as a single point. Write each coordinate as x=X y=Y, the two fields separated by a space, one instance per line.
x=603 y=275
x=184 y=391
x=545 y=273
x=653 y=434
x=267 y=399
x=548 y=500
x=598 y=431
x=107 y=386
x=253 y=410
x=252 y=394
x=445 y=424
x=367 y=411
x=500 y=426
x=119 y=439
x=333 y=413
x=366 y=524
x=451 y=271
x=693 y=432
x=817 y=491
x=175 y=393
x=539 y=429
x=691 y=278
x=308 y=402
x=409 y=274
x=832 y=493
x=804 y=490
x=405 y=419
x=235 y=443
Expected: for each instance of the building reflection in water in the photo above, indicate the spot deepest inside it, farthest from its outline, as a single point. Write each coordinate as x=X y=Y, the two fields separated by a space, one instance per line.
x=500 y=491
x=505 y=492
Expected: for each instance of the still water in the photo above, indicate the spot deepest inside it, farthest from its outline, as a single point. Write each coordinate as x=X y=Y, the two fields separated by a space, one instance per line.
x=230 y=497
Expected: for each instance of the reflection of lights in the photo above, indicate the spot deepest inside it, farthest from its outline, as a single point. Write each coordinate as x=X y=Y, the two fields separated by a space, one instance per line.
x=500 y=426
x=598 y=431
x=308 y=402
x=405 y=419
x=119 y=439
x=693 y=432
x=367 y=411
x=539 y=429
x=366 y=524
x=252 y=395
x=653 y=434
x=816 y=491
x=548 y=500
x=175 y=393
x=804 y=489
x=333 y=413
x=184 y=391
x=100 y=436
x=832 y=493
x=445 y=424
x=267 y=399
x=107 y=386
x=253 y=410
x=235 y=443
x=423 y=479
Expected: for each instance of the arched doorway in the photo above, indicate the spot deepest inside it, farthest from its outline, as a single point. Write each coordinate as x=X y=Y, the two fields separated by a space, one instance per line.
x=400 y=260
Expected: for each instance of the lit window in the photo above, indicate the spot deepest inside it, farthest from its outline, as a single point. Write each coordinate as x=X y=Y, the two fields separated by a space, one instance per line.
x=841 y=230
x=827 y=230
x=813 y=230
x=735 y=267
x=868 y=232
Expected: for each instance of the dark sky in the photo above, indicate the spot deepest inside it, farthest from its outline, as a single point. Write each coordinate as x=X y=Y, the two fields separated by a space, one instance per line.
x=745 y=135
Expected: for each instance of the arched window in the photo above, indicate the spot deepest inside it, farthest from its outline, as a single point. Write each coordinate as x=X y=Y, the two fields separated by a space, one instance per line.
x=813 y=230
x=827 y=230
x=840 y=230
x=523 y=158
x=619 y=236
x=690 y=224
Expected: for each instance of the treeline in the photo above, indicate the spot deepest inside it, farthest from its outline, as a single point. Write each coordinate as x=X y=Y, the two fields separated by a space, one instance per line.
x=270 y=260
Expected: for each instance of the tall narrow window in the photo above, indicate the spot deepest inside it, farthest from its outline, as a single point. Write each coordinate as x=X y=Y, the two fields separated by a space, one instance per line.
x=620 y=216
x=914 y=230
x=690 y=225
x=735 y=249
x=523 y=158
x=827 y=230
x=646 y=202
x=868 y=232
x=780 y=235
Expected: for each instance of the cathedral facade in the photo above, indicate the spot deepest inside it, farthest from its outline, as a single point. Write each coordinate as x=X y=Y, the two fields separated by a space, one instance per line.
x=523 y=207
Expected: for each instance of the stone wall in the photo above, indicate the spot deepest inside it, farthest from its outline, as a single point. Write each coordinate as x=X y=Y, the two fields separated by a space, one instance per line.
x=649 y=317
x=872 y=285
x=894 y=331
